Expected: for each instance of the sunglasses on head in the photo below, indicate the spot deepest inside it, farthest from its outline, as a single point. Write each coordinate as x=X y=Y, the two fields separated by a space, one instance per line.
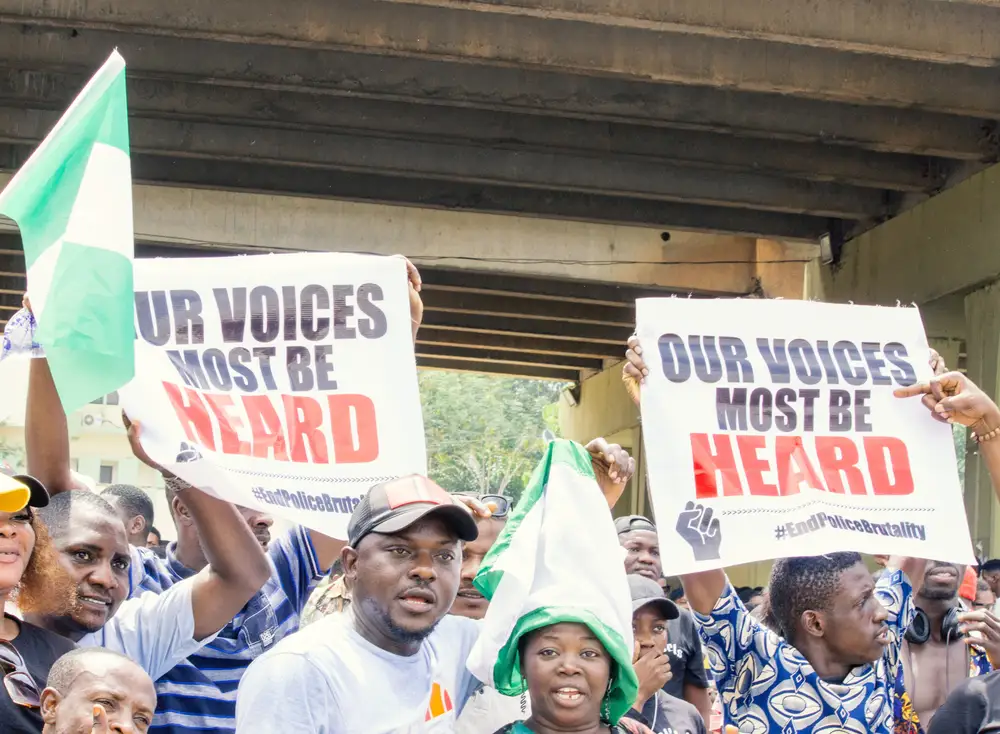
x=20 y=686
x=502 y=504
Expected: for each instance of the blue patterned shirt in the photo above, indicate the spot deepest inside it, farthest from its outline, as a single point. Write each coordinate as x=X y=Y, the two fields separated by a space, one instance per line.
x=199 y=695
x=768 y=687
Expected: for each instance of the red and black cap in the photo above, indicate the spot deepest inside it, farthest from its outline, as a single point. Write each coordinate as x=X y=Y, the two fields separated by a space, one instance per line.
x=394 y=506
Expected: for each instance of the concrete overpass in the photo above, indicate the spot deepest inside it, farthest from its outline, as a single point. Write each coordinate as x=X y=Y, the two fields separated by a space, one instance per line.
x=776 y=118
x=545 y=161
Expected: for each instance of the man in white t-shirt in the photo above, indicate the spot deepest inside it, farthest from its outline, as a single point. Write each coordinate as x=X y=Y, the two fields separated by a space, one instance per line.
x=368 y=670
x=394 y=663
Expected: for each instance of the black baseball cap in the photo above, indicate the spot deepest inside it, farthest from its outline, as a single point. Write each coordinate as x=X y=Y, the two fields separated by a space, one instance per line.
x=18 y=491
x=646 y=591
x=397 y=504
x=633 y=522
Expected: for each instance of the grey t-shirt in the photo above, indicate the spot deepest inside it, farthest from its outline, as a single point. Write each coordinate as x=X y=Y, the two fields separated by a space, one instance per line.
x=687 y=658
x=665 y=714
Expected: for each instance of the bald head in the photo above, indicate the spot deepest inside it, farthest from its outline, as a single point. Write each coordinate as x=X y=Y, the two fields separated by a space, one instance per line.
x=89 y=677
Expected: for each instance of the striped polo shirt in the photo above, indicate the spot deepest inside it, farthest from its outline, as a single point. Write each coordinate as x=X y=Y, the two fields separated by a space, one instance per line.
x=199 y=695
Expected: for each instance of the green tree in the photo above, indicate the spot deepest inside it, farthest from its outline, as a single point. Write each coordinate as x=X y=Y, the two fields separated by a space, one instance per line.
x=484 y=433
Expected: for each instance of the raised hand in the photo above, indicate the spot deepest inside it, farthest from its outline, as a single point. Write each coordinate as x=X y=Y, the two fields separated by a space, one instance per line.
x=987 y=625
x=954 y=398
x=613 y=467
x=416 y=302
x=634 y=372
x=134 y=428
x=700 y=529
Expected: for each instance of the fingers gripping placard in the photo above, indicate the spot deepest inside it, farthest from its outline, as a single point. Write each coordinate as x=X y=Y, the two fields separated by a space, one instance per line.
x=283 y=382
x=771 y=430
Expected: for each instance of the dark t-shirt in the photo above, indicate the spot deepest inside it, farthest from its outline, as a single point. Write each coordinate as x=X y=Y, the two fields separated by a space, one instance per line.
x=972 y=708
x=687 y=659
x=665 y=714
x=40 y=649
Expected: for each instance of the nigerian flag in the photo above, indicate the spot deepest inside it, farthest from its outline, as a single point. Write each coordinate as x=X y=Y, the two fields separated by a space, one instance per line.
x=557 y=560
x=73 y=203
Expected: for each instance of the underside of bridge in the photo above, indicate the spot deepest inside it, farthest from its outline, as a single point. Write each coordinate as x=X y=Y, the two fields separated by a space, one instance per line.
x=778 y=119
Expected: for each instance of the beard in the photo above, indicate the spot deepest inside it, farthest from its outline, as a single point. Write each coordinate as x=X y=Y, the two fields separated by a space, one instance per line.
x=381 y=618
x=940 y=594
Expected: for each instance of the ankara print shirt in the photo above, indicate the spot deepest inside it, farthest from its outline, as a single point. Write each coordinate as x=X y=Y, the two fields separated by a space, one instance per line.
x=768 y=687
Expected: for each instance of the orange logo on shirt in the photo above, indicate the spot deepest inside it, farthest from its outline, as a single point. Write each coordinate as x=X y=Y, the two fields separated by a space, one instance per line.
x=440 y=703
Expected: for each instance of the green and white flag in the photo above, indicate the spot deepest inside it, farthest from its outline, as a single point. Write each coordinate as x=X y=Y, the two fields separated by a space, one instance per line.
x=73 y=203
x=557 y=560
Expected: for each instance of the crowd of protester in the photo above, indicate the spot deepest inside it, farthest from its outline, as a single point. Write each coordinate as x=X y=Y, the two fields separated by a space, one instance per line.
x=227 y=629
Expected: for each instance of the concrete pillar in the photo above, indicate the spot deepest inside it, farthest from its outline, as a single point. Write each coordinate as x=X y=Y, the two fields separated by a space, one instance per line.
x=982 y=314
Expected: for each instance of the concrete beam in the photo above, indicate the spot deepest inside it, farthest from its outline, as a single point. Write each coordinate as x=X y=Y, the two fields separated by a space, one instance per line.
x=482 y=323
x=508 y=370
x=451 y=196
x=475 y=164
x=150 y=98
x=255 y=222
x=524 y=42
x=943 y=32
x=456 y=196
x=621 y=295
x=429 y=82
x=553 y=349
x=500 y=357
x=507 y=306
x=946 y=245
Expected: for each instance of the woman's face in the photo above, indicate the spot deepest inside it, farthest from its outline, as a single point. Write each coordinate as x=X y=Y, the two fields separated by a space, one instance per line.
x=567 y=669
x=17 y=540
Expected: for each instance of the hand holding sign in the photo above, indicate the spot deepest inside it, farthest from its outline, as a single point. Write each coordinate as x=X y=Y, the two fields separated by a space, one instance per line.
x=416 y=302
x=613 y=467
x=779 y=418
x=635 y=371
x=955 y=398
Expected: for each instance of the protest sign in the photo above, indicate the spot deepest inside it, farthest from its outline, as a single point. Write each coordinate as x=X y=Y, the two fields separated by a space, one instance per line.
x=281 y=382
x=771 y=430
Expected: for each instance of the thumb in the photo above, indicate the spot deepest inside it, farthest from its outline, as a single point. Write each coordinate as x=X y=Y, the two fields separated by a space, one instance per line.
x=100 y=720
x=959 y=403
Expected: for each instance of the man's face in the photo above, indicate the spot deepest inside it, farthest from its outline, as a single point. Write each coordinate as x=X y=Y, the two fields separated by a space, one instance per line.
x=650 y=629
x=643 y=556
x=260 y=523
x=124 y=691
x=941 y=580
x=403 y=584
x=985 y=599
x=469 y=602
x=94 y=553
x=993 y=579
x=854 y=626
x=152 y=540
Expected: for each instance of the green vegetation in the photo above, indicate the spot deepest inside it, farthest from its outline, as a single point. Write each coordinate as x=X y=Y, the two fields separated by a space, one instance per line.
x=484 y=434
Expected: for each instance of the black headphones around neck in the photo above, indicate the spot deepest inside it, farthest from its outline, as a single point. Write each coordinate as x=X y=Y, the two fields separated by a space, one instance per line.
x=919 y=630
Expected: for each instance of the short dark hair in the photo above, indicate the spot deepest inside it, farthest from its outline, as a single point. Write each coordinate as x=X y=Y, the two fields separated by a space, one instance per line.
x=677 y=594
x=991 y=565
x=66 y=669
x=133 y=499
x=56 y=514
x=152 y=530
x=802 y=583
